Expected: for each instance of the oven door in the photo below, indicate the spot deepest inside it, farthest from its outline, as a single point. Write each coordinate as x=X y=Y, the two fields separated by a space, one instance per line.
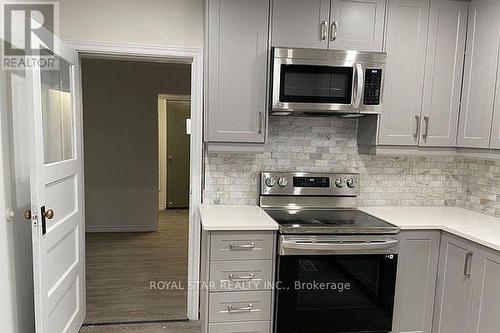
x=301 y=86
x=336 y=292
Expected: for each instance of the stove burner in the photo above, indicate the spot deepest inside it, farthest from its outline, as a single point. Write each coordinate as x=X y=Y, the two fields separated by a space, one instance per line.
x=329 y=221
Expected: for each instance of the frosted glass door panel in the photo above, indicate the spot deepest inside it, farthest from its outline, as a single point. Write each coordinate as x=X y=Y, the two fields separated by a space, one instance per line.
x=57 y=109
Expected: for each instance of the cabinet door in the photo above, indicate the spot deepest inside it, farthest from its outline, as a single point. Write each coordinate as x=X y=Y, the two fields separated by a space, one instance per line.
x=495 y=128
x=485 y=316
x=406 y=39
x=416 y=281
x=299 y=23
x=237 y=65
x=443 y=73
x=480 y=74
x=454 y=290
x=357 y=24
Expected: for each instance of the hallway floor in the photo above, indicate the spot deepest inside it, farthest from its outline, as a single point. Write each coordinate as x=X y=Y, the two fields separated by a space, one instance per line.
x=173 y=327
x=121 y=267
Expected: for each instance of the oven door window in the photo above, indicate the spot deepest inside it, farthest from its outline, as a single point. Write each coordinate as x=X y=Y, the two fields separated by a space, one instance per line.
x=345 y=293
x=316 y=84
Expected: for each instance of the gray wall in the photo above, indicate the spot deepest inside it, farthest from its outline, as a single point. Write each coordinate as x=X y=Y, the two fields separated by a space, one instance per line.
x=158 y=22
x=120 y=116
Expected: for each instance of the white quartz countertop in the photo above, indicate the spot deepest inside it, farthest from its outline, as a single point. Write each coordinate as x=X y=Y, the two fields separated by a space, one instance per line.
x=235 y=217
x=479 y=228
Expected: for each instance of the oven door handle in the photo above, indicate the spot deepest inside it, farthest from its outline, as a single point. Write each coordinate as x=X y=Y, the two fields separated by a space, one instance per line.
x=359 y=80
x=340 y=246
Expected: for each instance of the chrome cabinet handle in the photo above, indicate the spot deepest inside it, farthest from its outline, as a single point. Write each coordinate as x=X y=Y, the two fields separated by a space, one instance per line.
x=241 y=246
x=323 y=30
x=417 y=128
x=233 y=309
x=468 y=264
x=426 y=132
x=241 y=278
x=333 y=31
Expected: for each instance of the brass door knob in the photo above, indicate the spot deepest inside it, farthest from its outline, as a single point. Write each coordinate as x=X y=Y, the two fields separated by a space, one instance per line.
x=27 y=214
x=49 y=214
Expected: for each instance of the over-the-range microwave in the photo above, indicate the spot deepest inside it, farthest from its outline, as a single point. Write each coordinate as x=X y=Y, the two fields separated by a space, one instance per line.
x=314 y=81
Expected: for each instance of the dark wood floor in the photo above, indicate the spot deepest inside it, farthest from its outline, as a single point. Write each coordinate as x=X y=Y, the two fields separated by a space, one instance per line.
x=121 y=266
x=173 y=327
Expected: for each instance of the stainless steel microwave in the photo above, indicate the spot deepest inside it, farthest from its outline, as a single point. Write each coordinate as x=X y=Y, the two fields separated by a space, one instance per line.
x=314 y=81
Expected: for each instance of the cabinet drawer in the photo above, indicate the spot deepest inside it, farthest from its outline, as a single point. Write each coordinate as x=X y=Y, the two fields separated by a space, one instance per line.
x=241 y=245
x=240 y=306
x=240 y=275
x=249 y=327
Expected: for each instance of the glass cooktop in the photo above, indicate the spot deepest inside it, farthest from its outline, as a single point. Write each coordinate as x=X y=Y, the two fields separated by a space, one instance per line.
x=330 y=221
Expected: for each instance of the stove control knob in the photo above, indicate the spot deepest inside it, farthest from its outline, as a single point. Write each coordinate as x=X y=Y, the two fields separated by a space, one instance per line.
x=351 y=183
x=339 y=182
x=270 y=181
x=282 y=181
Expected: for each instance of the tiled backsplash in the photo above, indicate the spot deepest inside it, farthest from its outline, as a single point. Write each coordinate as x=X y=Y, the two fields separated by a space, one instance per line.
x=328 y=144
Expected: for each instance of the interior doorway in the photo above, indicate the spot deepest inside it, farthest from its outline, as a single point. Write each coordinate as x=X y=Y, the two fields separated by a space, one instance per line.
x=174 y=113
x=136 y=253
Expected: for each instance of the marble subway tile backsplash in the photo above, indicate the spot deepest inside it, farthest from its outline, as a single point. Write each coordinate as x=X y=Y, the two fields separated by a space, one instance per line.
x=482 y=185
x=328 y=144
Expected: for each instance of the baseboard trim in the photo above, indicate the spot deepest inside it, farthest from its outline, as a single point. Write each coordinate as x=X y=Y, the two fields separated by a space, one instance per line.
x=121 y=228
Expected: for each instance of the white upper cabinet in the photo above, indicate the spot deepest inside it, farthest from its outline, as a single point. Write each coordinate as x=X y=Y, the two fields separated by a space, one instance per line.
x=480 y=74
x=495 y=128
x=335 y=24
x=299 y=23
x=443 y=73
x=405 y=44
x=236 y=89
x=357 y=24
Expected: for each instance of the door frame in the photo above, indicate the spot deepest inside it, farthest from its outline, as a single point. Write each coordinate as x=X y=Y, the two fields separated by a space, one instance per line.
x=194 y=57
x=163 y=185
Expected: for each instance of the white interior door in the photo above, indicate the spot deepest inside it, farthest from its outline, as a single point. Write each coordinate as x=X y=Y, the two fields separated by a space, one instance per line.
x=57 y=193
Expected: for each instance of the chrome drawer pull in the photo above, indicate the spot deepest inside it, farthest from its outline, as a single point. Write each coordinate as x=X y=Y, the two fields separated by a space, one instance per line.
x=240 y=278
x=232 y=309
x=241 y=246
x=468 y=264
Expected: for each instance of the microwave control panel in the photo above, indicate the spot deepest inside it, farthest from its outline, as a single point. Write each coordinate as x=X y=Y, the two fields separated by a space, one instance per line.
x=373 y=83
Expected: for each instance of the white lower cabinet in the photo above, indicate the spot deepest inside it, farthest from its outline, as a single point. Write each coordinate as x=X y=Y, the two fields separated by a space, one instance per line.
x=254 y=327
x=416 y=281
x=485 y=314
x=468 y=291
x=237 y=268
x=453 y=299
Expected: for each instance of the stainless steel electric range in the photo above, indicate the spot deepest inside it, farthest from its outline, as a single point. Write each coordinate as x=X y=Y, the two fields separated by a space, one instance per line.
x=336 y=267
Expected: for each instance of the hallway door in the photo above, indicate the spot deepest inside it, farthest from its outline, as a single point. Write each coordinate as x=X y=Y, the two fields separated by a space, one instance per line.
x=56 y=179
x=178 y=144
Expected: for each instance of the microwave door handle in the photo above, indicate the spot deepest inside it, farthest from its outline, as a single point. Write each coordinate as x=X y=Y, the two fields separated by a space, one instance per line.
x=359 y=81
